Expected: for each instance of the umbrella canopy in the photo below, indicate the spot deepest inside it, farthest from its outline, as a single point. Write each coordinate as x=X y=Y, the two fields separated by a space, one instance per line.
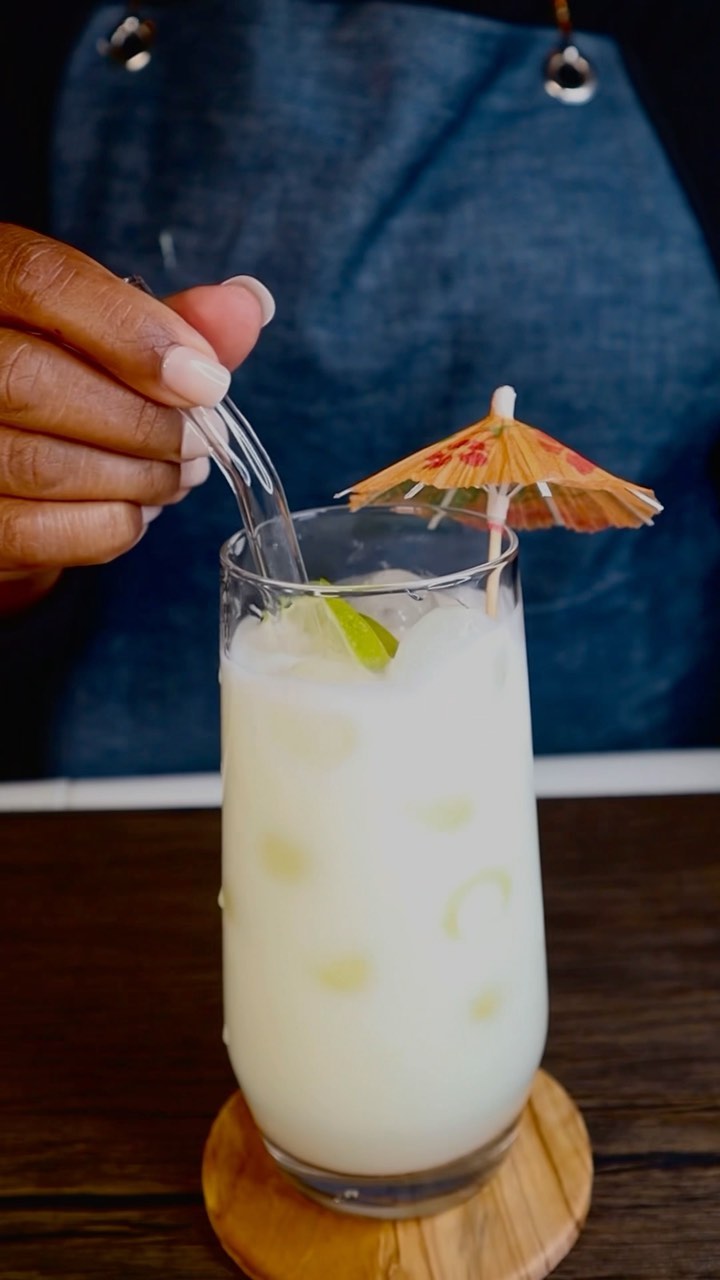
x=514 y=473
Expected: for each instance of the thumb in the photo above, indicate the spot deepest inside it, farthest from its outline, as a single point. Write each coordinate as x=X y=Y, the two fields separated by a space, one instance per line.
x=229 y=316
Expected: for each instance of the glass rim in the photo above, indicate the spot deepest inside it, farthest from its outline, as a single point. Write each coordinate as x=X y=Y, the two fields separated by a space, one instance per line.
x=460 y=576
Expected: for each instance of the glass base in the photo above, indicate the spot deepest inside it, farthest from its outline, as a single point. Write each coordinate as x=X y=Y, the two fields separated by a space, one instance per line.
x=408 y=1195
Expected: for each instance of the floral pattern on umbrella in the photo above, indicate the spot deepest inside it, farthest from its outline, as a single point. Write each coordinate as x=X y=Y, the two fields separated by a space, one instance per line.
x=515 y=474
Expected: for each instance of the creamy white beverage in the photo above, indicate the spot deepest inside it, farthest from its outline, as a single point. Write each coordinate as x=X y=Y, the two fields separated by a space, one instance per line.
x=384 y=964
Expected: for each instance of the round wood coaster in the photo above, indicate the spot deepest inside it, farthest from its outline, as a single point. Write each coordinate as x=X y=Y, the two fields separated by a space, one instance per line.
x=518 y=1227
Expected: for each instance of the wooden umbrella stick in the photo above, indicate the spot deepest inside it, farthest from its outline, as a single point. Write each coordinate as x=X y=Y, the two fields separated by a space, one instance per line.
x=497 y=509
x=493 y=586
x=495 y=543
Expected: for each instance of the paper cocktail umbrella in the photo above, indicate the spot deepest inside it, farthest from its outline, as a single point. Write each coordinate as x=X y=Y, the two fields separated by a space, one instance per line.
x=516 y=475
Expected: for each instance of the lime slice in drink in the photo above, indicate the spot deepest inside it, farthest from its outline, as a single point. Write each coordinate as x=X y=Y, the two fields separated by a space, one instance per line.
x=337 y=630
x=367 y=640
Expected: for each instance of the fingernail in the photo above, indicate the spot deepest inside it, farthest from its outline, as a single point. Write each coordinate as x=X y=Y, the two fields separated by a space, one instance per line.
x=149 y=514
x=193 y=443
x=194 y=472
x=192 y=376
x=259 y=291
x=139 y=538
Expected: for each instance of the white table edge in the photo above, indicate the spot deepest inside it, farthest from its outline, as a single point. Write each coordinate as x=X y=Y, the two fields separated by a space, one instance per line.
x=614 y=774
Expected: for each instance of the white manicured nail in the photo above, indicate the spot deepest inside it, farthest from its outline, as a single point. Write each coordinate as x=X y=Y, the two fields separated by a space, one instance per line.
x=139 y=538
x=259 y=291
x=149 y=514
x=194 y=472
x=192 y=376
x=193 y=444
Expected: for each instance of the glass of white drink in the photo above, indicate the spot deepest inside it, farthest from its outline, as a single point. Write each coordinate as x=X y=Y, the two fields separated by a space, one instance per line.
x=384 y=962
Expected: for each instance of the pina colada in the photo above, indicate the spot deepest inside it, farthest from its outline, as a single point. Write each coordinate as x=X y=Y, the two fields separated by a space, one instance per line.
x=385 y=988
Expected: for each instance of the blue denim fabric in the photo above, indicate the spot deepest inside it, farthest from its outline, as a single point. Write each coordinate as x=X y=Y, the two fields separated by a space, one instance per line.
x=432 y=225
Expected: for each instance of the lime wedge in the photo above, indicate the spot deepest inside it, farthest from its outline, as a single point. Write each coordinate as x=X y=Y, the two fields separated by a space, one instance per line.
x=368 y=641
x=337 y=630
x=384 y=636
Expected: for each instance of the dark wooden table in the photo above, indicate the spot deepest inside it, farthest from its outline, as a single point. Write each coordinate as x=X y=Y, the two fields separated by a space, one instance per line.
x=112 y=1067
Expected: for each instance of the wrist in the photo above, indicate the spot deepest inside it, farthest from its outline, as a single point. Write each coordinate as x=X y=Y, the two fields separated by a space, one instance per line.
x=21 y=590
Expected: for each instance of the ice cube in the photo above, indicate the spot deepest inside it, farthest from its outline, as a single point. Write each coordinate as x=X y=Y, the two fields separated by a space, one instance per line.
x=467 y=595
x=258 y=646
x=301 y=633
x=397 y=610
x=440 y=638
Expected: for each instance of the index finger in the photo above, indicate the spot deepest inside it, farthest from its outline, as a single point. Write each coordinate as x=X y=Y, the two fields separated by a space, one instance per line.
x=55 y=289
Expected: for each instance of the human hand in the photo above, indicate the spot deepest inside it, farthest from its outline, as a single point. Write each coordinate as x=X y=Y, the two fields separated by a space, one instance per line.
x=92 y=373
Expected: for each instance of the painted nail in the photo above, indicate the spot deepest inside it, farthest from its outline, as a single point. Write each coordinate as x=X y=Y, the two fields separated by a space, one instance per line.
x=149 y=514
x=194 y=472
x=139 y=538
x=177 y=497
x=194 y=377
x=259 y=291
x=193 y=445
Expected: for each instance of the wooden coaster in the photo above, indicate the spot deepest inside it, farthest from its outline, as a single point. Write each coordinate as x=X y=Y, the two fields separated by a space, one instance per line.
x=518 y=1227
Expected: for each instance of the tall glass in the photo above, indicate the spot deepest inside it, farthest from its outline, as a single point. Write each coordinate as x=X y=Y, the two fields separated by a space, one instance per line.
x=384 y=962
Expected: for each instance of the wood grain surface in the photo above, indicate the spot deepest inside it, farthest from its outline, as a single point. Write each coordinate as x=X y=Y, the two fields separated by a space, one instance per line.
x=112 y=1067
x=518 y=1227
